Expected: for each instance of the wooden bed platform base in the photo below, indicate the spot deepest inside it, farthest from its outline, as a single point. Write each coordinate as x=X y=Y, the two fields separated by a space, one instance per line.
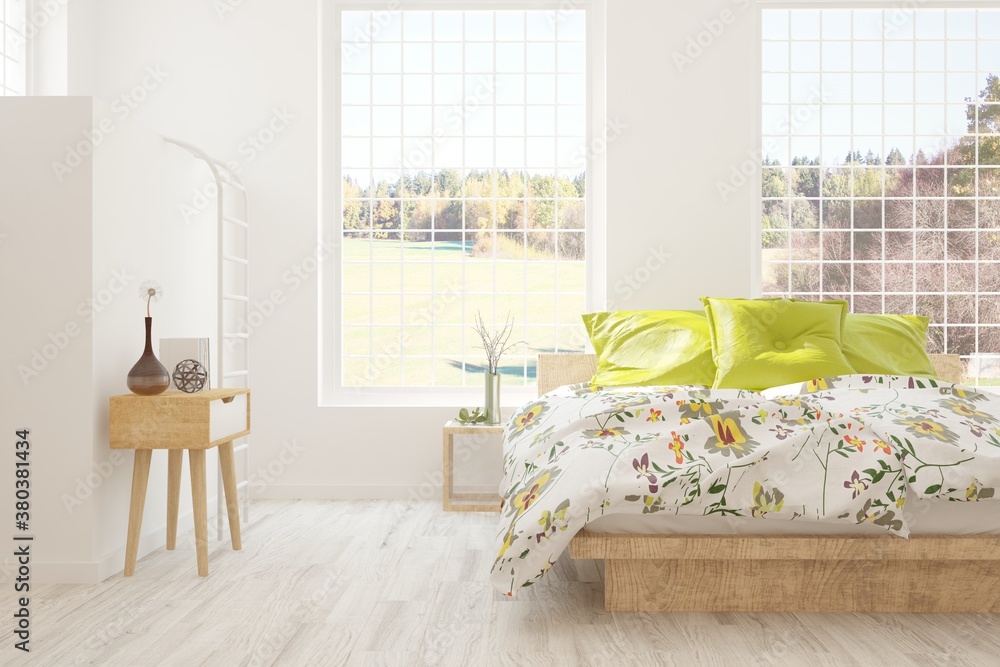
x=879 y=573
x=787 y=573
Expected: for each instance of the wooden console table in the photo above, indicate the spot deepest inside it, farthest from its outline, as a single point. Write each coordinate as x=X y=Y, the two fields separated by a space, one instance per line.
x=176 y=421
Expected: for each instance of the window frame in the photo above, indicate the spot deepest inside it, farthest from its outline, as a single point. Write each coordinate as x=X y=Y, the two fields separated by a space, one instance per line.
x=28 y=52
x=756 y=179
x=330 y=389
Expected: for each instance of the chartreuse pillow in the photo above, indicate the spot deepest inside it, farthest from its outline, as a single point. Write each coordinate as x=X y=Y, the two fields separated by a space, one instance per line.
x=650 y=348
x=887 y=344
x=761 y=343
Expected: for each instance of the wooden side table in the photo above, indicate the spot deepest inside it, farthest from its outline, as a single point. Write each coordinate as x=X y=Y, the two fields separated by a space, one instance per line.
x=176 y=421
x=464 y=502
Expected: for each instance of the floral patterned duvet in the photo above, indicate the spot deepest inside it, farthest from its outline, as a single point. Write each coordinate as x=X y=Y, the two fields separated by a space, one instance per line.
x=848 y=449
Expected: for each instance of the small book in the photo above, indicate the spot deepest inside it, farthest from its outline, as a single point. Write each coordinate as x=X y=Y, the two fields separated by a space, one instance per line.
x=175 y=350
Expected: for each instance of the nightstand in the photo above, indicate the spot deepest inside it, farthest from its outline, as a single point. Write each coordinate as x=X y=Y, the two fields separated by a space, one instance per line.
x=465 y=502
x=176 y=421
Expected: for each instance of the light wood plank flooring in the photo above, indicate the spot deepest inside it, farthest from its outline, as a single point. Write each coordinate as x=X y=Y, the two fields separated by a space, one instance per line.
x=396 y=583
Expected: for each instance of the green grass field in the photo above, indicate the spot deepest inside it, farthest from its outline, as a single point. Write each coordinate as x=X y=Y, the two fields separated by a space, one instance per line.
x=394 y=290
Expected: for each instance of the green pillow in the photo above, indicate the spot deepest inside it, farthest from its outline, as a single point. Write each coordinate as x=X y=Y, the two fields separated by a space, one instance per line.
x=761 y=343
x=888 y=344
x=651 y=348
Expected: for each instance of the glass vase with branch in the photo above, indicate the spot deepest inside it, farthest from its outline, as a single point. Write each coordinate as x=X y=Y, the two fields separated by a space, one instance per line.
x=496 y=343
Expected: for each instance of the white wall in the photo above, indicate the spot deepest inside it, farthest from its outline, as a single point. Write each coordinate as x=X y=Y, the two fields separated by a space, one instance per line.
x=229 y=72
x=45 y=265
x=686 y=129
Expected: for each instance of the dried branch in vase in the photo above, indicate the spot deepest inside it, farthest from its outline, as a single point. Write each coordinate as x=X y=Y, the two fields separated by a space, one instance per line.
x=496 y=343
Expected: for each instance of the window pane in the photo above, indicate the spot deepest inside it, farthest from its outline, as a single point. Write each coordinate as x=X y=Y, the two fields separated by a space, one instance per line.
x=886 y=192
x=464 y=147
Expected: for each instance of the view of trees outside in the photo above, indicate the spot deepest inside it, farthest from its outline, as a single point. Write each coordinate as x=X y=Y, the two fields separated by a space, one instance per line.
x=502 y=215
x=464 y=185
x=896 y=207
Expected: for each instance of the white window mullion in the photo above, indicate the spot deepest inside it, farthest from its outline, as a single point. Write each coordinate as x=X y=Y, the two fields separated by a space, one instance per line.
x=463 y=172
x=852 y=201
x=401 y=196
x=976 y=362
x=820 y=229
x=884 y=154
x=435 y=197
x=372 y=358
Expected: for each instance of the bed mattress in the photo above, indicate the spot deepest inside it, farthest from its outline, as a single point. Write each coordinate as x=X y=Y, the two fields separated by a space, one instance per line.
x=925 y=518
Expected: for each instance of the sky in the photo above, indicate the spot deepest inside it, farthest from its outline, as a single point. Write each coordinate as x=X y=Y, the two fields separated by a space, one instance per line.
x=507 y=90
x=453 y=90
x=871 y=79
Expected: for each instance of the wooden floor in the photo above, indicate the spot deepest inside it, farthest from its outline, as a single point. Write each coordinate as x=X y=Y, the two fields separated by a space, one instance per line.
x=395 y=583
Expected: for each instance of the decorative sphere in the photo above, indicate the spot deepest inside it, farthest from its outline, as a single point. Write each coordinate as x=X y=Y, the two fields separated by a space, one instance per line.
x=190 y=376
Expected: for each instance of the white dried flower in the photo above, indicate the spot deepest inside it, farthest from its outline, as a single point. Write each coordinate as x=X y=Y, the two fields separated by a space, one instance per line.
x=150 y=290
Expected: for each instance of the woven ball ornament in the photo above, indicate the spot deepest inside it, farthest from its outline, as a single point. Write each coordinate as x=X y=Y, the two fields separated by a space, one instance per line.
x=190 y=376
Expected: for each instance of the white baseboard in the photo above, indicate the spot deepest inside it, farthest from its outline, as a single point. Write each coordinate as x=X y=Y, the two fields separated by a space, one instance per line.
x=114 y=562
x=426 y=491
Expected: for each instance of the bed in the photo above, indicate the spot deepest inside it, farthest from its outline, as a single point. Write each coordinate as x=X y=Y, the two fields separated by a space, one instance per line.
x=861 y=565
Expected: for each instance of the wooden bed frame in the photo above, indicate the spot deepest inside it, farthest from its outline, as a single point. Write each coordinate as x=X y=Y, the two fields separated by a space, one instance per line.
x=933 y=573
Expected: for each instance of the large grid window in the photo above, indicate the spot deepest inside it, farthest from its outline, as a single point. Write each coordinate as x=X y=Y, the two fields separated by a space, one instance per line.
x=881 y=167
x=13 y=16
x=463 y=164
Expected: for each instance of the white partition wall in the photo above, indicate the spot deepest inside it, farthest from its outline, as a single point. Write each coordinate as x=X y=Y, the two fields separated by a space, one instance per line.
x=85 y=218
x=47 y=380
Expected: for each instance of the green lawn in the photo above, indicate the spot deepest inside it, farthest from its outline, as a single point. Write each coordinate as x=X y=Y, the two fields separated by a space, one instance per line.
x=421 y=282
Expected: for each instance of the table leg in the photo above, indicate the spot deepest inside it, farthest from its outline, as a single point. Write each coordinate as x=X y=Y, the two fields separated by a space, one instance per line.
x=448 y=471
x=140 y=477
x=226 y=460
x=174 y=462
x=199 y=499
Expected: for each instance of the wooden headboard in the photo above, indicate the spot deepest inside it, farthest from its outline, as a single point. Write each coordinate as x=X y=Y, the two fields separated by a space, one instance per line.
x=556 y=370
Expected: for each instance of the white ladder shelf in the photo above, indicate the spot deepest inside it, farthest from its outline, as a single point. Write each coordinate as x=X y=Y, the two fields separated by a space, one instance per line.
x=228 y=182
